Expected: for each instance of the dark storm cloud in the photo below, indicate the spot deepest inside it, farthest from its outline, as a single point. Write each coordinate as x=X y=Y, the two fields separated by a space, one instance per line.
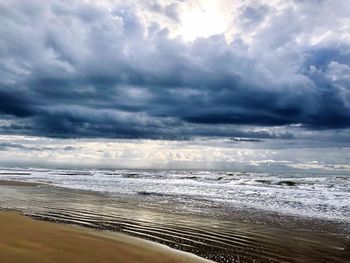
x=70 y=69
x=14 y=104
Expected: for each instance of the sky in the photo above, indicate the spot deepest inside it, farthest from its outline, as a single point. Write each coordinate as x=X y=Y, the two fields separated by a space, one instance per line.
x=175 y=84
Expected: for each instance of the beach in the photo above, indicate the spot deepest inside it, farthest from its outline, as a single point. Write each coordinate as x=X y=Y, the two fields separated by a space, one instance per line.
x=26 y=240
x=167 y=131
x=234 y=236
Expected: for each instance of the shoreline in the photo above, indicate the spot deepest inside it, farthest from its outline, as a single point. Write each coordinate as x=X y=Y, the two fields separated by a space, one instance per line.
x=23 y=238
x=252 y=237
x=250 y=216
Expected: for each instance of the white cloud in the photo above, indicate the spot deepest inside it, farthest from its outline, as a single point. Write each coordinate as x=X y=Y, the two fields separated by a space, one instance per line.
x=195 y=154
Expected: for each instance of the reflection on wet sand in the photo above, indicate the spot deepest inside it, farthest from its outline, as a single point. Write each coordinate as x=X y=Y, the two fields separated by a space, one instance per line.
x=213 y=238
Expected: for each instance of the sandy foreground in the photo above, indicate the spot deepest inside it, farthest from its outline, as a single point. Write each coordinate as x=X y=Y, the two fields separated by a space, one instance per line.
x=23 y=239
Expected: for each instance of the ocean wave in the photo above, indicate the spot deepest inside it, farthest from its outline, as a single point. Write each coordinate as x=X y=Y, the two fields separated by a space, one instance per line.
x=314 y=195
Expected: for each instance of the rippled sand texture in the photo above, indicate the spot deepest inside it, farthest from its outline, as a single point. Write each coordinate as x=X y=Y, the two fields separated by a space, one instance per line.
x=212 y=238
x=26 y=240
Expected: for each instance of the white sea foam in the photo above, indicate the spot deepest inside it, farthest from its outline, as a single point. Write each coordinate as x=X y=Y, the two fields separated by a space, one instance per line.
x=321 y=196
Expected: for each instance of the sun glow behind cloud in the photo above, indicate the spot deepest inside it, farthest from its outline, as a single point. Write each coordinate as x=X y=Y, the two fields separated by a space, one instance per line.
x=203 y=20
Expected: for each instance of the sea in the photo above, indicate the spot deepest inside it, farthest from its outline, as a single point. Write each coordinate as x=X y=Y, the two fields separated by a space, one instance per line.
x=314 y=195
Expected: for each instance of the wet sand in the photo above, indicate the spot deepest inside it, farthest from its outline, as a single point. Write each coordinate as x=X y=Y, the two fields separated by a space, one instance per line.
x=23 y=239
x=236 y=237
x=17 y=183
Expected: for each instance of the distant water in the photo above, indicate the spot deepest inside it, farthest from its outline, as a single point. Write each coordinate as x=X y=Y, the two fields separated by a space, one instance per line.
x=318 y=196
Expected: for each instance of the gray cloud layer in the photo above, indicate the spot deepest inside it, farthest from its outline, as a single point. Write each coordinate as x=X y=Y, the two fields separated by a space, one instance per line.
x=73 y=69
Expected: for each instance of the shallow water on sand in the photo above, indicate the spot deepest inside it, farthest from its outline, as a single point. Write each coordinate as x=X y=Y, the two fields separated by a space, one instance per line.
x=218 y=238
